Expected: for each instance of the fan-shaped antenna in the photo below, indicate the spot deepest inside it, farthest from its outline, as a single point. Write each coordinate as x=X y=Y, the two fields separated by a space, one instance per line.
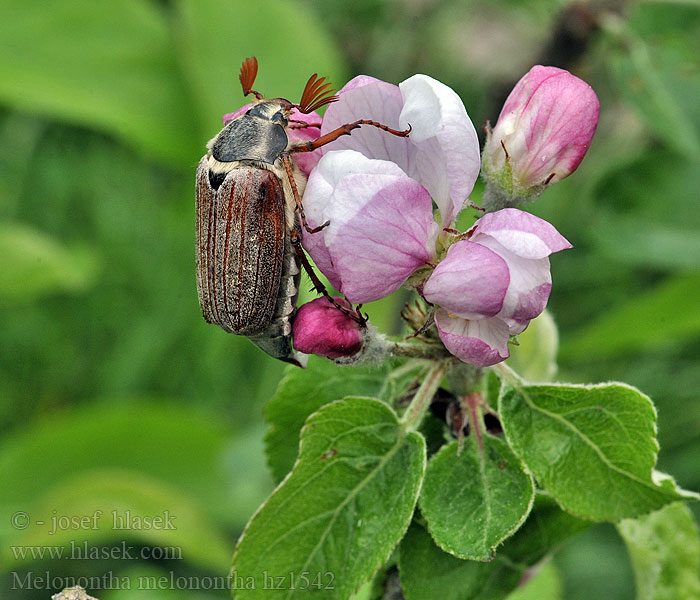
x=316 y=94
x=249 y=71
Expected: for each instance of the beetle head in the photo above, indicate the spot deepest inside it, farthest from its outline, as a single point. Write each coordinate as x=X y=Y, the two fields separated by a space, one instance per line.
x=276 y=111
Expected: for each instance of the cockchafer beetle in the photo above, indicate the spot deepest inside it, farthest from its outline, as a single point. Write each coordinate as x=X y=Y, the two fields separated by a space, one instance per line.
x=249 y=218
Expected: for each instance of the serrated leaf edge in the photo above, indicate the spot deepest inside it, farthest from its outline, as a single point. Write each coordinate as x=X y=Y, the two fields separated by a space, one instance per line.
x=517 y=386
x=403 y=435
x=510 y=532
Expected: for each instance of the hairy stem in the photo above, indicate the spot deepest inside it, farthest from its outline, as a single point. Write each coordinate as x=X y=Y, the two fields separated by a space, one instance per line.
x=415 y=412
x=508 y=374
x=413 y=350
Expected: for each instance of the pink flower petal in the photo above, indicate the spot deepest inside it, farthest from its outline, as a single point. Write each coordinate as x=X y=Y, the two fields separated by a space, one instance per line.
x=471 y=281
x=515 y=326
x=479 y=342
x=357 y=82
x=520 y=232
x=381 y=227
x=319 y=201
x=364 y=98
x=530 y=282
x=306 y=161
x=236 y=113
x=442 y=152
x=332 y=168
x=380 y=246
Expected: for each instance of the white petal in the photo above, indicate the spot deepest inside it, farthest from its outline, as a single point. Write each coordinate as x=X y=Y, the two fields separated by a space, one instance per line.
x=319 y=203
x=522 y=233
x=444 y=152
x=368 y=100
x=530 y=283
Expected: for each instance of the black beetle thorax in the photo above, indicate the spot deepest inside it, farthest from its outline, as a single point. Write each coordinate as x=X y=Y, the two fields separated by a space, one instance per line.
x=259 y=135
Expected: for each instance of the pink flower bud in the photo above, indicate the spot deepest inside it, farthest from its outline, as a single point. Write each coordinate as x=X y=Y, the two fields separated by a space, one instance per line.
x=320 y=328
x=542 y=133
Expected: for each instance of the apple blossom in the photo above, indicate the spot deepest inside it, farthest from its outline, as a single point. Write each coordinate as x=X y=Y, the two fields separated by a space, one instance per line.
x=541 y=136
x=379 y=204
x=377 y=190
x=442 y=151
x=490 y=286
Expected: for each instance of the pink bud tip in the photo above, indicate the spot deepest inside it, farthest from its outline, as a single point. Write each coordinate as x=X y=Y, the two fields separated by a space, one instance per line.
x=320 y=328
x=544 y=130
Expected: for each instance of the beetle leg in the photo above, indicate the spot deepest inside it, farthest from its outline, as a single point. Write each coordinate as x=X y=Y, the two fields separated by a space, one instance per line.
x=344 y=130
x=286 y=161
x=355 y=315
x=295 y=124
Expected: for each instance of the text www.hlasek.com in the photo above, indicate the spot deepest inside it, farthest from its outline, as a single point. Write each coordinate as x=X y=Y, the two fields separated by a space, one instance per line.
x=83 y=551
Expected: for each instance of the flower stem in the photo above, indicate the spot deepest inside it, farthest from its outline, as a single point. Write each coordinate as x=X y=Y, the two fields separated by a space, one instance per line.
x=429 y=351
x=415 y=412
x=509 y=375
x=495 y=198
x=465 y=379
x=474 y=403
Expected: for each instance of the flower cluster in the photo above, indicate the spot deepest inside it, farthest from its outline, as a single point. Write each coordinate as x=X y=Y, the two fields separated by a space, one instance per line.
x=378 y=194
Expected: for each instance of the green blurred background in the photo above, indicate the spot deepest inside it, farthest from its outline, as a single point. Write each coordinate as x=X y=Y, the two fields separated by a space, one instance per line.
x=114 y=393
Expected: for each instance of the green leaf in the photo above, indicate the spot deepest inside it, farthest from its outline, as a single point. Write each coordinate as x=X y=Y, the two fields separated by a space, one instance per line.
x=34 y=265
x=592 y=447
x=666 y=315
x=535 y=356
x=545 y=529
x=344 y=507
x=303 y=392
x=428 y=572
x=108 y=65
x=474 y=500
x=665 y=552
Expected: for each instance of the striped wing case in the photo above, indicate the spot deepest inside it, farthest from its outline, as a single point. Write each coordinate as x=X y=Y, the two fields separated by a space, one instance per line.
x=241 y=236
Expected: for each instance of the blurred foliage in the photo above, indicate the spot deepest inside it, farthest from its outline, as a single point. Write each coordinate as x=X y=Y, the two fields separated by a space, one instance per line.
x=113 y=391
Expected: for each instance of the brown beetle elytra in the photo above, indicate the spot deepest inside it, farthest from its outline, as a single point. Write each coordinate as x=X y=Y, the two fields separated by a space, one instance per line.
x=248 y=206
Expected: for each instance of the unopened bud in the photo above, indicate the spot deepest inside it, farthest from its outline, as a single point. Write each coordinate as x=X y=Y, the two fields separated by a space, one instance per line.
x=541 y=136
x=321 y=328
